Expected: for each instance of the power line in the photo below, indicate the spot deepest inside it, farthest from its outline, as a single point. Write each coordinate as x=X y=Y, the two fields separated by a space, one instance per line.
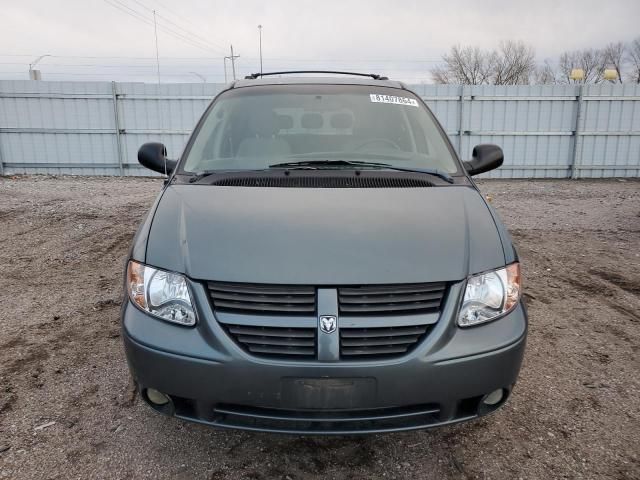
x=175 y=13
x=187 y=32
x=116 y=58
x=291 y=59
x=150 y=75
x=134 y=13
x=188 y=35
x=141 y=17
x=197 y=64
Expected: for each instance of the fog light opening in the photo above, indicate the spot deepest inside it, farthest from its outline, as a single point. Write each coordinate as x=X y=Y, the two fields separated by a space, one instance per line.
x=494 y=398
x=492 y=401
x=159 y=399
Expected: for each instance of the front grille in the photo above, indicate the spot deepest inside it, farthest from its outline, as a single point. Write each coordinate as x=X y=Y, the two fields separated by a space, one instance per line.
x=391 y=299
x=275 y=341
x=324 y=182
x=263 y=299
x=280 y=321
x=379 y=341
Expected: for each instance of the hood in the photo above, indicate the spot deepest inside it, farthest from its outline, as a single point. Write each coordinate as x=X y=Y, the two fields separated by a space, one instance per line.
x=323 y=236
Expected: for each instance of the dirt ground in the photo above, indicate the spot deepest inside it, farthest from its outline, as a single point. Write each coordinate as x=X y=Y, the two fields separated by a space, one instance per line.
x=575 y=412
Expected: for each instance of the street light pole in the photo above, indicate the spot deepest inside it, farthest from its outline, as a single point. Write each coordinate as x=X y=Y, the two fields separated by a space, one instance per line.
x=260 y=33
x=32 y=74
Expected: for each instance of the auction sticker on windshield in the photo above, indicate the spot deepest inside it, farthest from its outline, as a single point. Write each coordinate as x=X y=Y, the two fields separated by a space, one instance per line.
x=376 y=98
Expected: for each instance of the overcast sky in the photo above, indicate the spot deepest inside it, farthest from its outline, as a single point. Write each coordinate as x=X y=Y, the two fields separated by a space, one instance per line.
x=103 y=39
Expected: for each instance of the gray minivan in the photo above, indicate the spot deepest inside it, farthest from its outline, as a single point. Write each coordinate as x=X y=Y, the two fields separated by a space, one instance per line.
x=320 y=261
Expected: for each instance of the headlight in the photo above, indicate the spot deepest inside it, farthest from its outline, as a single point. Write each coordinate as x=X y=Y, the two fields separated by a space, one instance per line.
x=160 y=293
x=490 y=295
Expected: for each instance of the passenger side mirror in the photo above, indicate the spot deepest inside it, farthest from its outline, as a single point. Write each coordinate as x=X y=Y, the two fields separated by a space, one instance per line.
x=485 y=157
x=153 y=155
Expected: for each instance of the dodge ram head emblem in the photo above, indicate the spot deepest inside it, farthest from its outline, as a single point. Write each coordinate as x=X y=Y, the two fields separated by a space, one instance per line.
x=328 y=323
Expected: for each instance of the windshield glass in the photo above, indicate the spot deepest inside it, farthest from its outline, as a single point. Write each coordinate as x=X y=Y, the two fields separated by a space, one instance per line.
x=254 y=127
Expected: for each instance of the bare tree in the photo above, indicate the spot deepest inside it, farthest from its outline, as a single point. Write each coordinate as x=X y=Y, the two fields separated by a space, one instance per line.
x=513 y=64
x=613 y=55
x=464 y=65
x=545 y=74
x=441 y=75
x=633 y=57
x=589 y=60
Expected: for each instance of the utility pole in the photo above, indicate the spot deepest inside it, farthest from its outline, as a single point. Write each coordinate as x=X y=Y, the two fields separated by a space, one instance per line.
x=260 y=33
x=155 y=29
x=233 y=62
x=231 y=57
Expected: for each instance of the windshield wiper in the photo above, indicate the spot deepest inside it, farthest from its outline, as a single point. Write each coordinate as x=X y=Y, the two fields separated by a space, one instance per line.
x=357 y=163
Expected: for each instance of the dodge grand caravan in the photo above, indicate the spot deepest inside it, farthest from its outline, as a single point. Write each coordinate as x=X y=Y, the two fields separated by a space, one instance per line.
x=320 y=261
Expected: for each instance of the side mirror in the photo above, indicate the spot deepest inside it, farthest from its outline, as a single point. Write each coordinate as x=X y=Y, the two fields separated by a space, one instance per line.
x=153 y=155
x=485 y=157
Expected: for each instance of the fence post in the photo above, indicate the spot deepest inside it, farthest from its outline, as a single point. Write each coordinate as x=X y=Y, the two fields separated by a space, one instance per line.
x=1 y=160
x=461 y=120
x=577 y=149
x=116 y=121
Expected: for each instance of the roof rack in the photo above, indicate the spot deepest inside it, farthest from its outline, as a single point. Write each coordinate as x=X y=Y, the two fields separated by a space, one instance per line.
x=375 y=76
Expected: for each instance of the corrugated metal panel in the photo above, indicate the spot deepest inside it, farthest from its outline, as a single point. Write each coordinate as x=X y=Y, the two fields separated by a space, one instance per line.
x=165 y=113
x=40 y=124
x=70 y=127
x=533 y=124
x=610 y=127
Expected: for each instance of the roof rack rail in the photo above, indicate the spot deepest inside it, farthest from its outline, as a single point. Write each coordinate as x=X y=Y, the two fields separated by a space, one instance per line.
x=375 y=76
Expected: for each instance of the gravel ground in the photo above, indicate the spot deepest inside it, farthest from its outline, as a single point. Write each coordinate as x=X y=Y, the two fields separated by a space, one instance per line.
x=67 y=408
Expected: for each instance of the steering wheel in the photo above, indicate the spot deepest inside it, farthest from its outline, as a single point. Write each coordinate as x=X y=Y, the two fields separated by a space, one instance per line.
x=381 y=141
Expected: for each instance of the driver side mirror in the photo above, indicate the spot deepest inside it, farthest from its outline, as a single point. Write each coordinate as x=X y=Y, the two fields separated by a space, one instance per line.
x=153 y=155
x=485 y=157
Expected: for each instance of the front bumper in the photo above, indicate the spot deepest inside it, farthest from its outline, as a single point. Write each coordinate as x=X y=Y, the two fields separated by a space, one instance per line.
x=211 y=380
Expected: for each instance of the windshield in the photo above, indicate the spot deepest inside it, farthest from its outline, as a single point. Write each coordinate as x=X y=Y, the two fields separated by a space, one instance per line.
x=255 y=127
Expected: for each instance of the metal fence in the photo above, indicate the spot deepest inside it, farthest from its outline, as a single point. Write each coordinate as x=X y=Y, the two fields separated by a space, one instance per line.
x=95 y=128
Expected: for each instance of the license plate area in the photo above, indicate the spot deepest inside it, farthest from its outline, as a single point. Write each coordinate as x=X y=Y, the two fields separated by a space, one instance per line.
x=328 y=393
